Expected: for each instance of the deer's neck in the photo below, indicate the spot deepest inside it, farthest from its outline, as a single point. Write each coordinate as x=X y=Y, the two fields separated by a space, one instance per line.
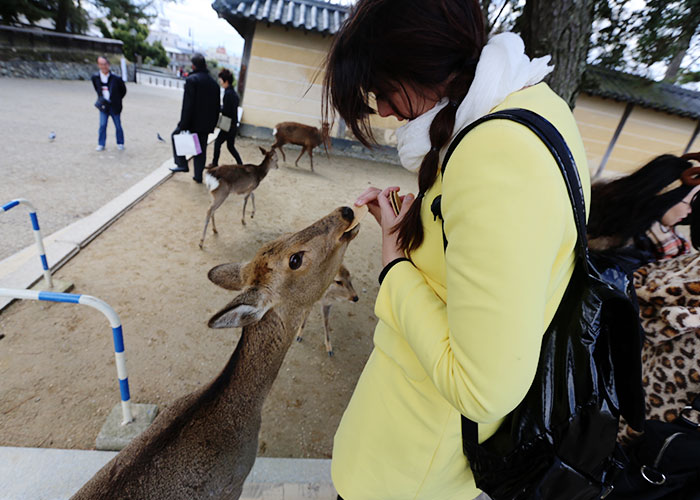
x=254 y=365
x=263 y=169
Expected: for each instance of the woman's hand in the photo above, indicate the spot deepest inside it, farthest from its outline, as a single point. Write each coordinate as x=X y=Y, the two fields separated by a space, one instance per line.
x=379 y=206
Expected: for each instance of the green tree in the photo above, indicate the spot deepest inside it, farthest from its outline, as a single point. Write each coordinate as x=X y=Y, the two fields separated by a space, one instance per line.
x=133 y=34
x=659 y=32
x=128 y=21
x=33 y=10
x=67 y=15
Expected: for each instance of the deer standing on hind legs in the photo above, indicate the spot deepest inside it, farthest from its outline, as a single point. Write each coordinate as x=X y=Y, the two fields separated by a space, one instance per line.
x=204 y=444
x=240 y=179
x=302 y=135
x=340 y=289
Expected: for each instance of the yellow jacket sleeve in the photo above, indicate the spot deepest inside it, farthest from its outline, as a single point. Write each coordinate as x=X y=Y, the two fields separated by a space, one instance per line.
x=511 y=238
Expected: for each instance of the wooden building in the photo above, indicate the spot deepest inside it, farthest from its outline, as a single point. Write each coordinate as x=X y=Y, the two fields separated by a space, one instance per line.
x=625 y=120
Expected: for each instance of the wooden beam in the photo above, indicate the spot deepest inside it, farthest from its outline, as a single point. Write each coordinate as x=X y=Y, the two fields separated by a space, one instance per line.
x=618 y=130
x=692 y=138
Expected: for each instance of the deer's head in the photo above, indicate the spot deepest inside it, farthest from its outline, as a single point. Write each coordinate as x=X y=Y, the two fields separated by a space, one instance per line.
x=288 y=274
x=270 y=156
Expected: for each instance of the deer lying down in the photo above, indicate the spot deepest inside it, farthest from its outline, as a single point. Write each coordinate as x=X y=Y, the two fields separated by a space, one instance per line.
x=204 y=444
x=302 y=135
x=239 y=179
x=341 y=289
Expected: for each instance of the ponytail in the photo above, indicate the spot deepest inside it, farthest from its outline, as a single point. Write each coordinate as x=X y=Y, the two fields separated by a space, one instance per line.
x=410 y=228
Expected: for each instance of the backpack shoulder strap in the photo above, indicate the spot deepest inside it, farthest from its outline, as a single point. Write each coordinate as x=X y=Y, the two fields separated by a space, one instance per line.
x=554 y=141
x=556 y=144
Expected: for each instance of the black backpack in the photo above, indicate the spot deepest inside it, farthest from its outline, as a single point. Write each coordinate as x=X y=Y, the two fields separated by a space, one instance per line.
x=560 y=442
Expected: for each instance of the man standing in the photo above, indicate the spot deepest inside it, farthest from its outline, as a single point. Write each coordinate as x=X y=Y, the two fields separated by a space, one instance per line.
x=200 y=112
x=110 y=89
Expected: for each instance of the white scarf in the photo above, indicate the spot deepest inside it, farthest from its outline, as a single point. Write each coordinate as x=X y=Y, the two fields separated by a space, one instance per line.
x=503 y=68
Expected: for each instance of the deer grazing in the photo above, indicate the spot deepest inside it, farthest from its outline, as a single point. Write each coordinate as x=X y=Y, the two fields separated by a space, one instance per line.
x=341 y=289
x=302 y=135
x=240 y=179
x=204 y=444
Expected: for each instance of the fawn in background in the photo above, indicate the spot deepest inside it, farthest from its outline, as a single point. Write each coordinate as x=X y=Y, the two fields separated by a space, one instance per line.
x=339 y=290
x=240 y=179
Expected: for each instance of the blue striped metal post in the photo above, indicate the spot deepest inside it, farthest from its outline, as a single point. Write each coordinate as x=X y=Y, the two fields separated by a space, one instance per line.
x=114 y=322
x=37 y=236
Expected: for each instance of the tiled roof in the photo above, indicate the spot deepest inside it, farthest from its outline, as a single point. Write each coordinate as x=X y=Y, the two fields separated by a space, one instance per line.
x=635 y=89
x=308 y=15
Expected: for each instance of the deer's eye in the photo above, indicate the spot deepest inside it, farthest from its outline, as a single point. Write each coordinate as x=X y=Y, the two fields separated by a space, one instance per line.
x=338 y=282
x=296 y=260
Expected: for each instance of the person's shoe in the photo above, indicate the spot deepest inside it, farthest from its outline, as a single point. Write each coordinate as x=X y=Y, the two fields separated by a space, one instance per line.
x=198 y=181
x=120 y=147
x=180 y=169
x=99 y=148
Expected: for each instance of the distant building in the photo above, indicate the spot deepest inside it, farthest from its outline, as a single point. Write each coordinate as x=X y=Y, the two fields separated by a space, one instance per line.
x=179 y=50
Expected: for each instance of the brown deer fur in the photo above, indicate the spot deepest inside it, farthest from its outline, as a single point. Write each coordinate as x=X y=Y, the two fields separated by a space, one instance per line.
x=204 y=444
x=302 y=135
x=239 y=179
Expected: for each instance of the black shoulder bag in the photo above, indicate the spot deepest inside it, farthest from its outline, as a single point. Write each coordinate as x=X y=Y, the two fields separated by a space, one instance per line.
x=560 y=442
x=664 y=461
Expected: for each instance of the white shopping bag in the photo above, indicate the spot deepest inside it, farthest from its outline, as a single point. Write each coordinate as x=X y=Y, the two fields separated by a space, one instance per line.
x=187 y=144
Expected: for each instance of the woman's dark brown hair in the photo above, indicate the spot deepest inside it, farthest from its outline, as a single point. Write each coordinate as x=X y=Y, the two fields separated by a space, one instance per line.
x=389 y=45
x=226 y=76
x=628 y=206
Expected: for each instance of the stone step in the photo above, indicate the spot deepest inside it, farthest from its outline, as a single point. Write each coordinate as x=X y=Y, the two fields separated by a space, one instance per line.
x=52 y=474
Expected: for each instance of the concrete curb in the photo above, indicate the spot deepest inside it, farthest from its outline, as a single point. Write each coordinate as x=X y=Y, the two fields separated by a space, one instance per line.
x=23 y=269
x=53 y=474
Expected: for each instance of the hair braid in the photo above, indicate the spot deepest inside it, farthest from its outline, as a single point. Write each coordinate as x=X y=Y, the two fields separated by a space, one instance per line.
x=410 y=229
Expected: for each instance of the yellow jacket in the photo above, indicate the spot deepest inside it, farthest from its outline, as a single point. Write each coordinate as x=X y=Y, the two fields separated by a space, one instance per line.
x=511 y=237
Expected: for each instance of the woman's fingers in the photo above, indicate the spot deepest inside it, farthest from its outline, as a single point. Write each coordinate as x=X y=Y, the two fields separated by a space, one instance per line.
x=368 y=195
x=406 y=202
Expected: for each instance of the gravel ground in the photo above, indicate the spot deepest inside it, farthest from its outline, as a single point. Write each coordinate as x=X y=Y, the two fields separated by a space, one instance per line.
x=66 y=179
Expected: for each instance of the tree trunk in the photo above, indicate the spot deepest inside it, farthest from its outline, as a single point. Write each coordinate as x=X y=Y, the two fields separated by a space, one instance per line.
x=563 y=29
x=62 y=11
x=485 y=4
x=683 y=44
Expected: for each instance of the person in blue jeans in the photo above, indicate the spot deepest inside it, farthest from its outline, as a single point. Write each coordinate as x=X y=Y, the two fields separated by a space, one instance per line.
x=110 y=89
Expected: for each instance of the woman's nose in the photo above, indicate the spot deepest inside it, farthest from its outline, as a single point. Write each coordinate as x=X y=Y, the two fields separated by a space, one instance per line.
x=383 y=108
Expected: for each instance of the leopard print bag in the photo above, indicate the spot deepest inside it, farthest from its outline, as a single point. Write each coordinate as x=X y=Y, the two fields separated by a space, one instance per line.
x=668 y=292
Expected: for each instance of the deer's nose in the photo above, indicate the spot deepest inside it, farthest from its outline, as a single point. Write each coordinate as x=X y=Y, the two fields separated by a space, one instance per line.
x=347 y=214
x=355 y=298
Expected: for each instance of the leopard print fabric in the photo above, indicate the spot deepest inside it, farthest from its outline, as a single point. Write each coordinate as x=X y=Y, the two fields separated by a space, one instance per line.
x=669 y=307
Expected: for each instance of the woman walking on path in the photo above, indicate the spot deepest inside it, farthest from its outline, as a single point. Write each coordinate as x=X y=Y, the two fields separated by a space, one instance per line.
x=460 y=329
x=229 y=110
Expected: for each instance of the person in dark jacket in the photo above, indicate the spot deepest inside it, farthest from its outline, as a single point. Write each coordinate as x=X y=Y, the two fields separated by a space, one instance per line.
x=230 y=110
x=110 y=89
x=200 y=112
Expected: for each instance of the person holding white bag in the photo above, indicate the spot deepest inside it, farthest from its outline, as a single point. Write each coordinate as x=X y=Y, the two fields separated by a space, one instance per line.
x=200 y=112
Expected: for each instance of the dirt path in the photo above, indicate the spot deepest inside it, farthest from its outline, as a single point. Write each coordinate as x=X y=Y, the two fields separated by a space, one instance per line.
x=58 y=379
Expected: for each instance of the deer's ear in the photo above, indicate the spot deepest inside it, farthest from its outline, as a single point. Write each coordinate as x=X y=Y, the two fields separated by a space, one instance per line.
x=247 y=308
x=228 y=276
x=262 y=150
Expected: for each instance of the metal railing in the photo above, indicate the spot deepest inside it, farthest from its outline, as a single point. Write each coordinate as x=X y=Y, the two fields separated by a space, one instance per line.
x=37 y=235
x=114 y=321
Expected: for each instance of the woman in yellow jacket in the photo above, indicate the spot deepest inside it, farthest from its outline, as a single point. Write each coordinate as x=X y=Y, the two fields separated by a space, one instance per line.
x=459 y=330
